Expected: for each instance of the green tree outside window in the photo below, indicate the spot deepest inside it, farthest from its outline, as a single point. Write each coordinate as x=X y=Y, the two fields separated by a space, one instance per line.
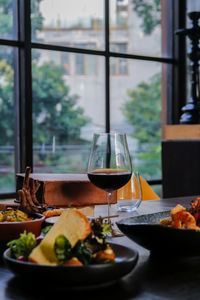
x=142 y=108
x=49 y=90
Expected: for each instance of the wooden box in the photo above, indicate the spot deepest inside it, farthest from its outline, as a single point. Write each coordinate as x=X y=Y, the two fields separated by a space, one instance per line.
x=67 y=190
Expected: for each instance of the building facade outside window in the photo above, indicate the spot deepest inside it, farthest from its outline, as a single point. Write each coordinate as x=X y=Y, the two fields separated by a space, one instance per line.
x=85 y=65
x=118 y=66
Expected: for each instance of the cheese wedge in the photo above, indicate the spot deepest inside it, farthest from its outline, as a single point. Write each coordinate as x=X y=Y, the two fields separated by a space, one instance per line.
x=72 y=224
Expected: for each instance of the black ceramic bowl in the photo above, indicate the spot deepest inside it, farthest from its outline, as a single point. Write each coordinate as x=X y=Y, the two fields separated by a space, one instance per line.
x=145 y=231
x=73 y=276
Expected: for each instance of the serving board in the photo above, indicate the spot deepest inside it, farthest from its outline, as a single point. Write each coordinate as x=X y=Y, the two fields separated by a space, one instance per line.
x=67 y=190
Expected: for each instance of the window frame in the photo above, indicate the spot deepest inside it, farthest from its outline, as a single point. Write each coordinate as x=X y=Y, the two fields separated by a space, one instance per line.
x=23 y=76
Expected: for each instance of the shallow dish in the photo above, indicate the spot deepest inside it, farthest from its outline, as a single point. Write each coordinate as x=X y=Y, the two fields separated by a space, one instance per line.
x=126 y=260
x=145 y=231
x=12 y=230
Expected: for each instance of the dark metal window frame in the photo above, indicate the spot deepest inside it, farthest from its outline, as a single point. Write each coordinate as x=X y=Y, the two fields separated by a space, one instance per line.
x=23 y=77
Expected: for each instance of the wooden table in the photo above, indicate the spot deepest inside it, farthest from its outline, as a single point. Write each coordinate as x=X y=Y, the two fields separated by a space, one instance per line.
x=151 y=279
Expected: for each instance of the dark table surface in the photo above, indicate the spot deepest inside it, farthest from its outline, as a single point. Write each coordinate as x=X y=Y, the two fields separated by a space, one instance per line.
x=162 y=278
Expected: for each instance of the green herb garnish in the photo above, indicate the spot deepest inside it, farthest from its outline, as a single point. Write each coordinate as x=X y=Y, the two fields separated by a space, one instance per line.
x=22 y=246
x=106 y=228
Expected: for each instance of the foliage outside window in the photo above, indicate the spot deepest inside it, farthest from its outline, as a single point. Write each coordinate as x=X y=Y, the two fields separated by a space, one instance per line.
x=143 y=106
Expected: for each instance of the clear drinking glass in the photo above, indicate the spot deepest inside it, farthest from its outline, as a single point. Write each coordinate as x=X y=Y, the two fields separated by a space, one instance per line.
x=109 y=166
x=129 y=196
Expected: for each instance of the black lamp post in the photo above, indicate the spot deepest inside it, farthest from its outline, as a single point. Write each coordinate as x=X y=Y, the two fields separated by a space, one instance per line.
x=192 y=108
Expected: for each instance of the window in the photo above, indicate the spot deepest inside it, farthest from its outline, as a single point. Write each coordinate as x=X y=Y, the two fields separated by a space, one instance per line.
x=71 y=68
x=62 y=59
x=8 y=13
x=80 y=64
x=65 y=62
x=85 y=65
x=7 y=141
x=118 y=66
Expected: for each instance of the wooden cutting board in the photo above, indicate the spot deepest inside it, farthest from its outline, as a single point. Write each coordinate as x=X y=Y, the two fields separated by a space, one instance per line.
x=67 y=190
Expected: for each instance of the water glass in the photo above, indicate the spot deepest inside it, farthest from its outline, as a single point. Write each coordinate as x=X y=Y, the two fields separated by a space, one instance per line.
x=129 y=196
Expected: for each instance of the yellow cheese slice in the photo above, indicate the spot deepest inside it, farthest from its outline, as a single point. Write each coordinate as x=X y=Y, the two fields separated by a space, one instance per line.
x=72 y=224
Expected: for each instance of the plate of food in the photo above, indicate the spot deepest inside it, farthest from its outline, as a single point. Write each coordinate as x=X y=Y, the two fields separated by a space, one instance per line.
x=14 y=221
x=73 y=251
x=175 y=232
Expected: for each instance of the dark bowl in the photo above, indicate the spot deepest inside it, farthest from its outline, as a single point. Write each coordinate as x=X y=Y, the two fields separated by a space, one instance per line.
x=145 y=231
x=126 y=260
x=11 y=230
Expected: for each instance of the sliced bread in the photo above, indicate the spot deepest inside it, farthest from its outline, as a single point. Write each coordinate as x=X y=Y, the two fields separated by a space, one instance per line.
x=72 y=224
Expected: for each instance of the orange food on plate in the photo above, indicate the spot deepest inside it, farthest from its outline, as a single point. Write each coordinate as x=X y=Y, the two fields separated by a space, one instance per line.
x=53 y=212
x=105 y=255
x=183 y=219
x=73 y=262
x=195 y=210
x=177 y=209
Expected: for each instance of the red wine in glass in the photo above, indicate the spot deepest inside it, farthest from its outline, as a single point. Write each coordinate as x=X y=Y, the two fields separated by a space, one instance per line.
x=109 y=166
x=109 y=179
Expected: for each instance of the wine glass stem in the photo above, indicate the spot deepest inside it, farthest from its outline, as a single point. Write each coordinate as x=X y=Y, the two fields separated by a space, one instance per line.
x=109 y=205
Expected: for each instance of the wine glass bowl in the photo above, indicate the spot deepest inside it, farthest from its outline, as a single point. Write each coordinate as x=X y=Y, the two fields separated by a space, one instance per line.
x=109 y=166
x=109 y=179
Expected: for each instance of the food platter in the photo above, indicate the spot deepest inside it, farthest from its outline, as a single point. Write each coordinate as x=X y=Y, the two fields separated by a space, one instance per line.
x=78 y=276
x=12 y=230
x=162 y=240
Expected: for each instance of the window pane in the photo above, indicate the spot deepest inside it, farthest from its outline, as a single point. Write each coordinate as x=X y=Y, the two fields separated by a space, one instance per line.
x=118 y=66
x=61 y=59
x=123 y=69
x=193 y=5
x=65 y=62
x=7 y=181
x=66 y=112
x=80 y=70
x=113 y=63
x=136 y=110
x=157 y=189
x=86 y=65
x=91 y=65
x=70 y=23
x=136 y=24
x=8 y=12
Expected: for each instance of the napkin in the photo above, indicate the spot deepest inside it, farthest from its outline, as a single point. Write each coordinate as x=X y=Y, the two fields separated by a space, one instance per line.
x=147 y=192
x=125 y=192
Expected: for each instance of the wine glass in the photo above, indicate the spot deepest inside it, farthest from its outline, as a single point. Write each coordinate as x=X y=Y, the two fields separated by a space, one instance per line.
x=109 y=166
